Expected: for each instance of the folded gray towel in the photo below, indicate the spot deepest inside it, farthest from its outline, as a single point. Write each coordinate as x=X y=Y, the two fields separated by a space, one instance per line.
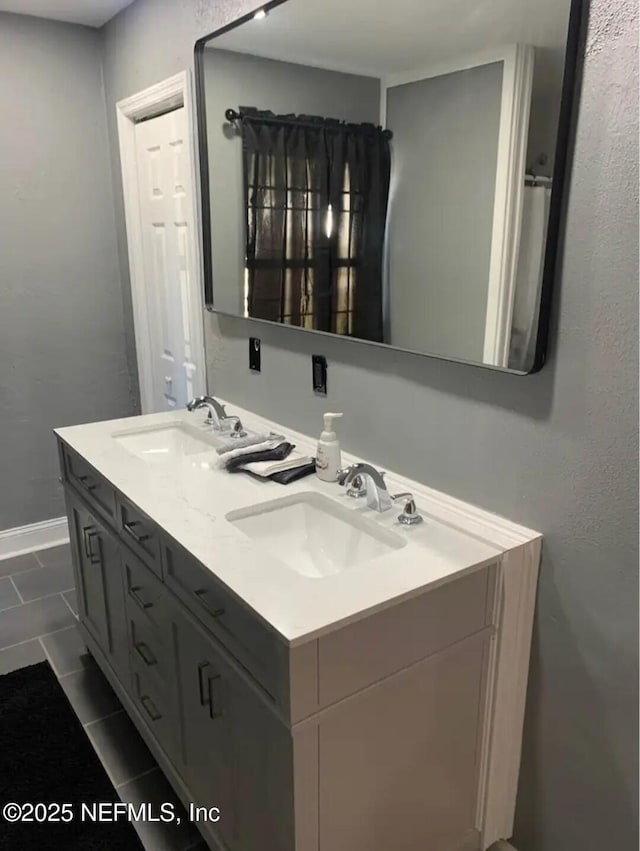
x=278 y=453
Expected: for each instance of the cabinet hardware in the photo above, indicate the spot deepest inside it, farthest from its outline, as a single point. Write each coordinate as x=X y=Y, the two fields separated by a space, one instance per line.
x=86 y=529
x=213 y=713
x=88 y=533
x=133 y=593
x=145 y=653
x=201 y=594
x=201 y=668
x=86 y=483
x=128 y=528
x=150 y=708
x=94 y=558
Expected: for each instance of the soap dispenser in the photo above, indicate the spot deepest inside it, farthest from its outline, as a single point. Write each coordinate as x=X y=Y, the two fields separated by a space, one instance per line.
x=328 y=453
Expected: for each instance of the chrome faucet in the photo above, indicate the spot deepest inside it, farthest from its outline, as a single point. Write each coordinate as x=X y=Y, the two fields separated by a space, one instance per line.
x=378 y=497
x=217 y=416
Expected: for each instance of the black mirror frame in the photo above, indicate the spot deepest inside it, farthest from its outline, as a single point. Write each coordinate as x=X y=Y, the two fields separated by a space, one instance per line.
x=568 y=104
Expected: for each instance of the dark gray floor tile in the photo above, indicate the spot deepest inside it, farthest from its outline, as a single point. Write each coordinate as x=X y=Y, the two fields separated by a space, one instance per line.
x=121 y=748
x=53 y=556
x=67 y=651
x=44 y=581
x=33 y=619
x=89 y=692
x=28 y=653
x=154 y=788
x=8 y=595
x=72 y=599
x=17 y=564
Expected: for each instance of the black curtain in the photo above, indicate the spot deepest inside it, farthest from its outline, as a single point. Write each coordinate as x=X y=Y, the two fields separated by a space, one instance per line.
x=316 y=193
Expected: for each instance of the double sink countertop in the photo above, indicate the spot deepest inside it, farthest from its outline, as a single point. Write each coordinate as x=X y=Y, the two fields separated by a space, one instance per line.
x=189 y=497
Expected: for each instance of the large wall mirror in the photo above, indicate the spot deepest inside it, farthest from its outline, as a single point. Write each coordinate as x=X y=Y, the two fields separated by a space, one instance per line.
x=390 y=172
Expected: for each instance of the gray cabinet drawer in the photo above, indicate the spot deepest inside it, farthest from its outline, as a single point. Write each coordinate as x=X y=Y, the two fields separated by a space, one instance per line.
x=367 y=651
x=96 y=492
x=143 y=591
x=257 y=648
x=140 y=533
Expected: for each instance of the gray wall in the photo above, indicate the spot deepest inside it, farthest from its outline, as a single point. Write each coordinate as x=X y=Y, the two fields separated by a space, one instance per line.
x=62 y=355
x=239 y=79
x=556 y=450
x=445 y=149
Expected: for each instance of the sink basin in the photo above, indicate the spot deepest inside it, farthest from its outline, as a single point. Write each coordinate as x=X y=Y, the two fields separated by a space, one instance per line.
x=314 y=536
x=165 y=443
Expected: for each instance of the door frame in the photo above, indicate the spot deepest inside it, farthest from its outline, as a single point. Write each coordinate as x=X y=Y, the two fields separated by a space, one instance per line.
x=513 y=133
x=172 y=93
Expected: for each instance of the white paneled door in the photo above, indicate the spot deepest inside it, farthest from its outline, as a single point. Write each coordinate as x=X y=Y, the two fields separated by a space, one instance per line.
x=165 y=188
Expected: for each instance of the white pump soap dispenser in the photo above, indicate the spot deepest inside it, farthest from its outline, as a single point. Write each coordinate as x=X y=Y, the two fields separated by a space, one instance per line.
x=328 y=454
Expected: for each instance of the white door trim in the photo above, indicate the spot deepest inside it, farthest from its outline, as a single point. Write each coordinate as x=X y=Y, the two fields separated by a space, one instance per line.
x=515 y=108
x=169 y=94
x=513 y=137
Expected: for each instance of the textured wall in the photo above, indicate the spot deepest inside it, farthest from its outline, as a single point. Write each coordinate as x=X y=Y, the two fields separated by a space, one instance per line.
x=61 y=324
x=556 y=451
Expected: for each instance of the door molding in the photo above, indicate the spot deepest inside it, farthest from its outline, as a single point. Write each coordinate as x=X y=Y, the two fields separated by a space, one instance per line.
x=515 y=107
x=172 y=93
x=513 y=136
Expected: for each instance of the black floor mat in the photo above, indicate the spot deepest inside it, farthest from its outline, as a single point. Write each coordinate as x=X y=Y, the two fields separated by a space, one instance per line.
x=46 y=758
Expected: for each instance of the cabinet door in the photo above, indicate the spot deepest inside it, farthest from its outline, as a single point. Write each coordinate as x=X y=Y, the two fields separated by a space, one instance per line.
x=237 y=755
x=98 y=570
x=89 y=571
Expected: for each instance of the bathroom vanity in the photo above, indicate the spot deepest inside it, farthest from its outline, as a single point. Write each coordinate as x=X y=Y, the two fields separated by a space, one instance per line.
x=328 y=679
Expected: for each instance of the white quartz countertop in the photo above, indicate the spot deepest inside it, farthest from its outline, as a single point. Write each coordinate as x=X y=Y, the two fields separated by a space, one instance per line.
x=190 y=498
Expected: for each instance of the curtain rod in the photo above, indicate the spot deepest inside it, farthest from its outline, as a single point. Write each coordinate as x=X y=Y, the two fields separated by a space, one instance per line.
x=234 y=116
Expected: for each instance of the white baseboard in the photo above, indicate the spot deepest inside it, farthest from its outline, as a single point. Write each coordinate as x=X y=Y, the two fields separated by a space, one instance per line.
x=36 y=536
x=502 y=846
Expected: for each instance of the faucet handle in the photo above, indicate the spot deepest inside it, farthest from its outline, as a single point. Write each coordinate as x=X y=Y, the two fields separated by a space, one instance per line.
x=342 y=475
x=357 y=489
x=409 y=515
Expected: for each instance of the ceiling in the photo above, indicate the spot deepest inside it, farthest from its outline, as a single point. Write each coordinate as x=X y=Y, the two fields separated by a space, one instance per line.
x=91 y=13
x=388 y=37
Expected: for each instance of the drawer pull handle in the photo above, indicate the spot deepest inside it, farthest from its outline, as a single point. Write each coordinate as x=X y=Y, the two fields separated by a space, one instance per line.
x=150 y=708
x=208 y=699
x=94 y=558
x=129 y=529
x=88 y=534
x=86 y=529
x=86 y=483
x=201 y=669
x=201 y=595
x=213 y=713
x=145 y=653
x=133 y=593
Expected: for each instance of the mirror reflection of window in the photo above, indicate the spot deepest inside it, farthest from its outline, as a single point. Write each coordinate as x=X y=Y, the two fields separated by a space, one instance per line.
x=316 y=192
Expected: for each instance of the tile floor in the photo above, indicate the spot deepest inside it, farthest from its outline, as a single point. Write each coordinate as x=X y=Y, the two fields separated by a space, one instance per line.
x=38 y=613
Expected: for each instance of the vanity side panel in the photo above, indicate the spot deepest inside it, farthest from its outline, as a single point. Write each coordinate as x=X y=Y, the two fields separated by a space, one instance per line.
x=397 y=763
x=506 y=691
x=303 y=681
x=305 y=791
x=376 y=647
